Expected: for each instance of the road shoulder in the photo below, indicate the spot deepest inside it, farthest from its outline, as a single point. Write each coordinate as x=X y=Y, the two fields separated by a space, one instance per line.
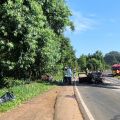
x=66 y=106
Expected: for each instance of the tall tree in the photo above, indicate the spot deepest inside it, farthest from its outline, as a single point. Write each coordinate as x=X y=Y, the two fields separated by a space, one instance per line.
x=93 y=61
x=20 y=27
x=112 y=57
x=30 y=36
x=68 y=57
x=82 y=62
x=57 y=14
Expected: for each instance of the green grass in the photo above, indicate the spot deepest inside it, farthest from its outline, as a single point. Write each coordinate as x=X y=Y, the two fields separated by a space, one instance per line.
x=117 y=77
x=24 y=93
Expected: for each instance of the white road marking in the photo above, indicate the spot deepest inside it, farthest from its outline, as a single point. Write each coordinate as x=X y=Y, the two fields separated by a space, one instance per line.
x=84 y=105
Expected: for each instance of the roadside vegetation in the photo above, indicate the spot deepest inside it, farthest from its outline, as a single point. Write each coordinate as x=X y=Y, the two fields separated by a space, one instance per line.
x=92 y=62
x=32 y=44
x=23 y=93
x=112 y=57
x=32 y=41
x=117 y=77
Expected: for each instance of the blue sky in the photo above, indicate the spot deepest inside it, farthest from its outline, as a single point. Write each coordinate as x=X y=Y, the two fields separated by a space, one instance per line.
x=97 y=26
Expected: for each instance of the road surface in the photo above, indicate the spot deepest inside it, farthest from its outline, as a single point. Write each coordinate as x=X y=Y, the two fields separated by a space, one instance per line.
x=103 y=101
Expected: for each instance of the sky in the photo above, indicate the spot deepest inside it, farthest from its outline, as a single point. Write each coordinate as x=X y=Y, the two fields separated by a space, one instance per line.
x=97 y=26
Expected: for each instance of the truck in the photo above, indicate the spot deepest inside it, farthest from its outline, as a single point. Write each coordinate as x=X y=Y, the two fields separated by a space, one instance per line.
x=93 y=77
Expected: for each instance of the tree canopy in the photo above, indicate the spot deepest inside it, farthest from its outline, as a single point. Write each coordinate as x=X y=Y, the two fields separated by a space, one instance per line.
x=93 y=62
x=112 y=57
x=31 y=37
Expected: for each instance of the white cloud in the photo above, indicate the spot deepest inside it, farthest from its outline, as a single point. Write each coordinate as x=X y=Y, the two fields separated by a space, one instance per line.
x=83 y=23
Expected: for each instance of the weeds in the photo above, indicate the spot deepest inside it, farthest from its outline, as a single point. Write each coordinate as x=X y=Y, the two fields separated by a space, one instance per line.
x=24 y=93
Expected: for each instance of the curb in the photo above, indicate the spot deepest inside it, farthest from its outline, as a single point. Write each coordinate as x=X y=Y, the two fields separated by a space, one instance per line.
x=82 y=107
x=54 y=115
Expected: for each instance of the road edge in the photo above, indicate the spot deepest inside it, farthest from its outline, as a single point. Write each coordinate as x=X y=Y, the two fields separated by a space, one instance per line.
x=82 y=106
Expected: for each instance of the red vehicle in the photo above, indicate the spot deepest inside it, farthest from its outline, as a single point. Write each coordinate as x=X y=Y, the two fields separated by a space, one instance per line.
x=116 y=69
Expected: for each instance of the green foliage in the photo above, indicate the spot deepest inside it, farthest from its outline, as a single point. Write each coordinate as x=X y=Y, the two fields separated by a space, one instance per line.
x=19 y=33
x=50 y=52
x=31 y=38
x=57 y=14
x=112 y=57
x=68 y=57
x=10 y=82
x=24 y=93
x=82 y=61
x=93 y=62
x=59 y=76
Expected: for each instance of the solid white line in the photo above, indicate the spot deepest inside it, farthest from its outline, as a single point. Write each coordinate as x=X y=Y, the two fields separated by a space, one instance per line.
x=84 y=105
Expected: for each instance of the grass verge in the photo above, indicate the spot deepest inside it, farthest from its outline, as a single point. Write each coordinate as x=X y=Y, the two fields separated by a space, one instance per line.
x=24 y=93
x=117 y=77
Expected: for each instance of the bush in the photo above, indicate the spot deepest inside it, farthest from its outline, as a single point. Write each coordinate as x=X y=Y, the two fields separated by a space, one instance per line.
x=10 y=82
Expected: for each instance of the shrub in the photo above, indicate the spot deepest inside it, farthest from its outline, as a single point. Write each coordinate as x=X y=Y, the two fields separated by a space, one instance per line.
x=10 y=82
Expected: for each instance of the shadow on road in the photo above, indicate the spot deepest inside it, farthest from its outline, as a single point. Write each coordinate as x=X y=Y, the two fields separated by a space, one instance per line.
x=103 y=85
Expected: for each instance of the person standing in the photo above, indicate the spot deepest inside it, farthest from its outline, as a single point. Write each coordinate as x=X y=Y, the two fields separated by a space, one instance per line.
x=65 y=79
x=69 y=74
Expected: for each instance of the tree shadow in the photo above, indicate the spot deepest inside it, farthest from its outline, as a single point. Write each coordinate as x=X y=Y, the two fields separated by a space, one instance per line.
x=102 y=85
x=53 y=82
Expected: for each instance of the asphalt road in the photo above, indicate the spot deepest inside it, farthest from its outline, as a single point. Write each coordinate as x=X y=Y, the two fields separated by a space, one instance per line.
x=103 y=101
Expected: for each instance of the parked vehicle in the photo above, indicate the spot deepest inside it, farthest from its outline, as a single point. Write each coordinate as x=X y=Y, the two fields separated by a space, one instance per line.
x=94 y=77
